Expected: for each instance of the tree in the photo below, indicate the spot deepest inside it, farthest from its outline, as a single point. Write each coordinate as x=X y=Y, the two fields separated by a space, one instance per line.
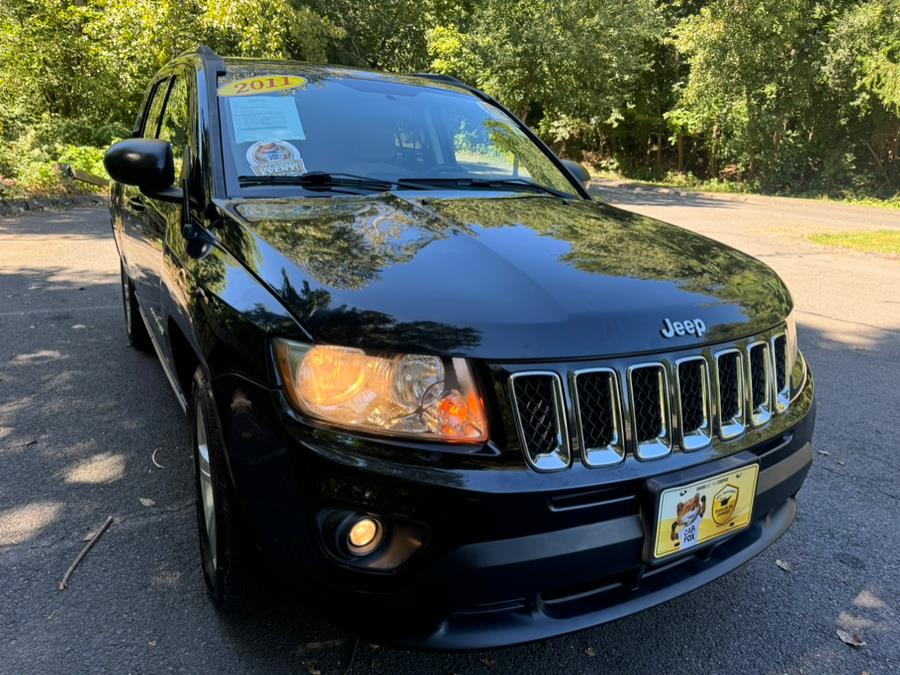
x=567 y=66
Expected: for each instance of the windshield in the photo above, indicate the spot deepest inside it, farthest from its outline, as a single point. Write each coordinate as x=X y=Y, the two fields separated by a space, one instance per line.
x=278 y=123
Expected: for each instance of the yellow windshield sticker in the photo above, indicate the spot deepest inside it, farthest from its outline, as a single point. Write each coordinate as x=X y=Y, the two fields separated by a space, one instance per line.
x=264 y=84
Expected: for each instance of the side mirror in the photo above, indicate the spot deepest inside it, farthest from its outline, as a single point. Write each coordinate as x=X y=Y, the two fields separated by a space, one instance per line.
x=578 y=171
x=145 y=162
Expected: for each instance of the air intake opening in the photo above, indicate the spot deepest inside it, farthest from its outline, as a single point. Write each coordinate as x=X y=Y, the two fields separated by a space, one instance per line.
x=730 y=393
x=597 y=406
x=760 y=384
x=693 y=403
x=781 y=375
x=649 y=410
x=540 y=419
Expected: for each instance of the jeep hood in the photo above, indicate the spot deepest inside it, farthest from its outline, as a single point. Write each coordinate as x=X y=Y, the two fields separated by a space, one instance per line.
x=505 y=276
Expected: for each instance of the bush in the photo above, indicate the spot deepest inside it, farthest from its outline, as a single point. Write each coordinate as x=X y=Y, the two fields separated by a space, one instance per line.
x=27 y=168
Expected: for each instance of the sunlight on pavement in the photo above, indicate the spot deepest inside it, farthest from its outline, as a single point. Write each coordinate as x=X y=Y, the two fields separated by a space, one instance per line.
x=24 y=523
x=102 y=468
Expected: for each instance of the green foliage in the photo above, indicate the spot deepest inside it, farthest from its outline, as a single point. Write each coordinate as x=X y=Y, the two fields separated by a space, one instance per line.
x=878 y=241
x=564 y=66
x=779 y=95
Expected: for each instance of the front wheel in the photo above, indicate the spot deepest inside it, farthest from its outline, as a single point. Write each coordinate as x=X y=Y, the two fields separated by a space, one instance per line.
x=224 y=551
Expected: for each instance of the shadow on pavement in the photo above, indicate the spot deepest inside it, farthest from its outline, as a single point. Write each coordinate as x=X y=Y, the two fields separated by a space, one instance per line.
x=633 y=194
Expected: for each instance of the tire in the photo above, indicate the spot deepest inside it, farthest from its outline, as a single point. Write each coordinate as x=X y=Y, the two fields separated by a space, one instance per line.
x=134 y=324
x=224 y=550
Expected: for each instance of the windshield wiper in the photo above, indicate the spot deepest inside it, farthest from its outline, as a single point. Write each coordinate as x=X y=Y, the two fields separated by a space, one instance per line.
x=319 y=180
x=518 y=184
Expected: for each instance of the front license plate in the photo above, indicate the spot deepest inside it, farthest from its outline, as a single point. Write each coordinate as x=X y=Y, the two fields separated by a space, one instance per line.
x=694 y=514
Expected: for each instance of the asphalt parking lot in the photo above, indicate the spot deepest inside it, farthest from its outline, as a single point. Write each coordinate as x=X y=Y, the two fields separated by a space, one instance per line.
x=90 y=429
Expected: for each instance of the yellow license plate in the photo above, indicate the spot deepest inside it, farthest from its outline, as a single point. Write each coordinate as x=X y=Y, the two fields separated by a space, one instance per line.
x=694 y=514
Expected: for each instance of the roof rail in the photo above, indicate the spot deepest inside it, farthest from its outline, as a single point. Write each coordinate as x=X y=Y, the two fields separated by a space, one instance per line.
x=440 y=78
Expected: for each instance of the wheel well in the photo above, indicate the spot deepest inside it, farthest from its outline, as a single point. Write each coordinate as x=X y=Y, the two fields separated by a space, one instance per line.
x=183 y=357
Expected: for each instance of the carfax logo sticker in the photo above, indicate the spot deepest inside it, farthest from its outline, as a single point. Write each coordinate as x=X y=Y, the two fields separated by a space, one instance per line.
x=275 y=158
x=263 y=84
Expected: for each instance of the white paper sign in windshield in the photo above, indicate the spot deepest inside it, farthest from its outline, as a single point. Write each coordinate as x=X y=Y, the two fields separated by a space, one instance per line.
x=259 y=118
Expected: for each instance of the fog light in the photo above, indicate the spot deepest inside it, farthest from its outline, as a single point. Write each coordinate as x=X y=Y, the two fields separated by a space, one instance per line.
x=364 y=536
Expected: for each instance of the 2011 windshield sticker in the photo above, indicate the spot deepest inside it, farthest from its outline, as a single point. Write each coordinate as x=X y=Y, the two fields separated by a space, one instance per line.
x=263 y=84
x=275 y=158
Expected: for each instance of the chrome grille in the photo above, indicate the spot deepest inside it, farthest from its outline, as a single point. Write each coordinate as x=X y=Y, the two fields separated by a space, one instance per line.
x=712 y=394
x=780 y=346
x=760 y=384
x=649 y=410
x=540 y=419
x=730 y=380
x=596 y=394
x=693 y=402
x=780 y=367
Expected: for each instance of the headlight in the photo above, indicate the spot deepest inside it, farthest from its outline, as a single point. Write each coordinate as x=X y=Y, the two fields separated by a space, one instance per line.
x=410 y=395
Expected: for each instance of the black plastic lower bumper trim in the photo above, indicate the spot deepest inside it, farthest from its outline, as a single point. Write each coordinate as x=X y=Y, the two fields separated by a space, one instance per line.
x=545 y=619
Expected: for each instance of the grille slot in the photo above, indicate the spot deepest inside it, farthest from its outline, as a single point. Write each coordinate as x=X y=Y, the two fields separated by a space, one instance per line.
x=760 y=384
x=597 y=408
x=730 y=388
x=649 y=410
x=693 y=402
x=540 y=419
x=780 y=374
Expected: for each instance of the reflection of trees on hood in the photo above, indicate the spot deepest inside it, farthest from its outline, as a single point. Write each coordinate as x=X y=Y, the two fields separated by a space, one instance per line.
x=616 y=243
x=354 y=327
x=348 y=246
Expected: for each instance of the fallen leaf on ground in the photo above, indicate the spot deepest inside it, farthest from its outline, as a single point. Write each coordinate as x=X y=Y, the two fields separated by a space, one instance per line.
x=147 y=502
x=783 y=565
x=840 y=463
x=824 y=453
x=851 y=639
x=488 y=662
x=590 y=651
x=152 y=643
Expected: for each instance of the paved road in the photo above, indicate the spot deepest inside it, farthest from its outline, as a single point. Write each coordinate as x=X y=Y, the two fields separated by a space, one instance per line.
x=81 y=416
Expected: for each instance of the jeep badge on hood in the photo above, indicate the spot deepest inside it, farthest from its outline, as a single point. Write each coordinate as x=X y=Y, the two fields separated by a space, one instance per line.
x=687 y=327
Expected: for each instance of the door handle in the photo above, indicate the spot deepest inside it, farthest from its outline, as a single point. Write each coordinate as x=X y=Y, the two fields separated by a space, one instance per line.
x=137 y=204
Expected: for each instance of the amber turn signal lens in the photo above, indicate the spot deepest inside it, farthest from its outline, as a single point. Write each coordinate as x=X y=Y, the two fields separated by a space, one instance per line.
x=417 y=395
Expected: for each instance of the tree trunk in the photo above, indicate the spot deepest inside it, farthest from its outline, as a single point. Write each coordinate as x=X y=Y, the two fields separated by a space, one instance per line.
x=659 y=142
x=680 y=140
x=713 y=160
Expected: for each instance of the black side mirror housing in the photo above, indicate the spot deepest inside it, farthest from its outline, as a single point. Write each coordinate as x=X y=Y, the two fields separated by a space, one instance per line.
x=145 y=162
x=581 y=174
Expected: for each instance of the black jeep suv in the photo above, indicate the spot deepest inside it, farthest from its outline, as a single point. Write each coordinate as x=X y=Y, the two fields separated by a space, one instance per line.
x=428 y=375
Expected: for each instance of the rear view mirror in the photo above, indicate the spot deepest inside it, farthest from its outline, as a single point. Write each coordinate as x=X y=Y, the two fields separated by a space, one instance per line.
x=145 y=162
x=578 y=171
